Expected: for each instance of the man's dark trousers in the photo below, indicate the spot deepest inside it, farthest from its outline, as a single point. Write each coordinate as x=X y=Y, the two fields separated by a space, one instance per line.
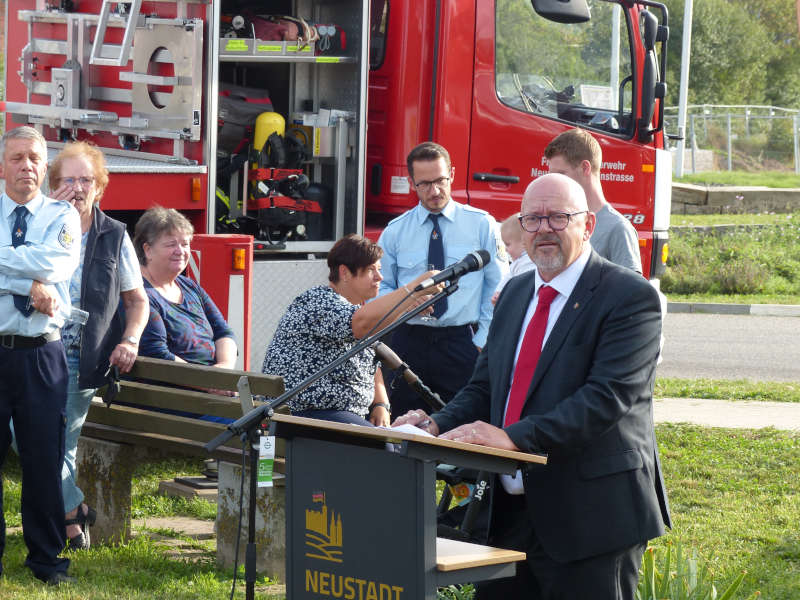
x=33 y=389
x=611 y=576
x=442 y=357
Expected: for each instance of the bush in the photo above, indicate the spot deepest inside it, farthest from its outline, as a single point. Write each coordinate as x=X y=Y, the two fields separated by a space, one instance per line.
x=681 y=577
x=739 y=276
x=744 y=260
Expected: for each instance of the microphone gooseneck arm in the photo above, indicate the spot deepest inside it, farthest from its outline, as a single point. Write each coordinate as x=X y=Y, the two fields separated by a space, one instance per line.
x=251 y=420
x=391 y=360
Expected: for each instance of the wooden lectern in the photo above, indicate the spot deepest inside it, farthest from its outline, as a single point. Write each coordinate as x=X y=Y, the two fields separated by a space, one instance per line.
x=361 y=518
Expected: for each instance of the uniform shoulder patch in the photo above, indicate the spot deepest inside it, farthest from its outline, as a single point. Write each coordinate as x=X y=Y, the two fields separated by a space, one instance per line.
x=65 y=237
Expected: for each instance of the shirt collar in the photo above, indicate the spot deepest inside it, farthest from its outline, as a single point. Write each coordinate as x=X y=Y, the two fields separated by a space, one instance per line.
x=448 y=212
x=9 y=205
x=566 y=281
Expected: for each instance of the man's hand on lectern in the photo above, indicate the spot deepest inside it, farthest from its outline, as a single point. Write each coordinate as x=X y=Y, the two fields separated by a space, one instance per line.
x=482 y=433
x=420 y=419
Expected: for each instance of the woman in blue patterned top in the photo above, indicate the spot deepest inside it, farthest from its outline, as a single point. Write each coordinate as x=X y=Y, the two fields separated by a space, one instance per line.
x=185 y=325
x=326 y=321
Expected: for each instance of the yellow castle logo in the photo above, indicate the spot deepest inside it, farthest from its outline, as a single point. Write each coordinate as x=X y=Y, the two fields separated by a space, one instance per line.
x=323 y=532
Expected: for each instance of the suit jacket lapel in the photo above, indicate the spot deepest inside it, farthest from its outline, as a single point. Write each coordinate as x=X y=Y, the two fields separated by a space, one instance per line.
x=576 y=304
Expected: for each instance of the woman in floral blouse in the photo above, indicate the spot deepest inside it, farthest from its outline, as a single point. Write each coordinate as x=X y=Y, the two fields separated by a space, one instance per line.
x=326 y=321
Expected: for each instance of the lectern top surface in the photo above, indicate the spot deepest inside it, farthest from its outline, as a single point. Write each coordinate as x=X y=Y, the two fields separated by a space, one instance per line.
x=392 y=436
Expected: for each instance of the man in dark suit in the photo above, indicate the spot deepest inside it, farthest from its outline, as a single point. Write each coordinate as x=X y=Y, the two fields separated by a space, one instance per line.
x=584 y=518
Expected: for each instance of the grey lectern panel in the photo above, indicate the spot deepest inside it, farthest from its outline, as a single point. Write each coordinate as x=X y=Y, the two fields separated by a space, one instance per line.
x=341 y=542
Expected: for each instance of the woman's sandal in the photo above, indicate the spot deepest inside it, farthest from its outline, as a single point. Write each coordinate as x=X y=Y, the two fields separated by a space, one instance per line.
x=84 y=519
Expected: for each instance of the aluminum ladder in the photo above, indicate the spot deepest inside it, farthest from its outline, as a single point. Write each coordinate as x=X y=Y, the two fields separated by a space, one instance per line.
x=121 y=60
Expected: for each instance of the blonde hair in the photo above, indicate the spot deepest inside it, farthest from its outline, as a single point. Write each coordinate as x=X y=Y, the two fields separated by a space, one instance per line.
x=510 y=228
x=81 y=150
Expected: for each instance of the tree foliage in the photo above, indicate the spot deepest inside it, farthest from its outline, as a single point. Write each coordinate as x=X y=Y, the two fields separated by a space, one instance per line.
x=743 y=52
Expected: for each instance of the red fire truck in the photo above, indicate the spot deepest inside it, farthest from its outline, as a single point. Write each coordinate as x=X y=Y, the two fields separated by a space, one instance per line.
x=175 y=91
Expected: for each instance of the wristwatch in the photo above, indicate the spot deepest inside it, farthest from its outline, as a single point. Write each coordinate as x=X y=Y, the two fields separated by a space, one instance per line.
x=131 y=339
x=374 y=405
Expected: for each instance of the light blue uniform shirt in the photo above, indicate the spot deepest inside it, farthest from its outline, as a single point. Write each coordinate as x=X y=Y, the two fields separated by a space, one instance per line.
x=50 y=255
x=465 y=229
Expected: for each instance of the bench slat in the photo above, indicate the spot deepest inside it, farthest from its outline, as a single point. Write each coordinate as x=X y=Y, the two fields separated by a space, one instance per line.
x=178 y=399
x=163 y=442
x=204 y=376
x=126 y=417
x=137 y=419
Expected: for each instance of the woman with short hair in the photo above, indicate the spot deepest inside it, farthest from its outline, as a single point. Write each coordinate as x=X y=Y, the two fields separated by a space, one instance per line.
x=326 y=321
x=185 y=325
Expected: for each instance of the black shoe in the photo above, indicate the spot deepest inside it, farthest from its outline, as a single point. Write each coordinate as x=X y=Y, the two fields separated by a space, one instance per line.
x=58 y=578
x=79 y=542
x=84 y=519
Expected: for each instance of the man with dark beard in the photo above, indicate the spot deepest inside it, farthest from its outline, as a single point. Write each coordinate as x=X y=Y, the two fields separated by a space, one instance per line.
x=568 y=371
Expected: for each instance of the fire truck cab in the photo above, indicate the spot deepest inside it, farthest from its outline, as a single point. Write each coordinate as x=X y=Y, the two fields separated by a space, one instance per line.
x=175 y=92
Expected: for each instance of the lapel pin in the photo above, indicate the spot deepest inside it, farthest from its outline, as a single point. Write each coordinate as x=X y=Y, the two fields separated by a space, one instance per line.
x=576 y=305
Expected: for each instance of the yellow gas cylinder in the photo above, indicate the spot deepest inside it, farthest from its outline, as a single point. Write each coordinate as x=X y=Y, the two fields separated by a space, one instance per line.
x=267 y=123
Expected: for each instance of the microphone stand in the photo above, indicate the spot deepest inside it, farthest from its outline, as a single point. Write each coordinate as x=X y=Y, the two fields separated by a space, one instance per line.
x=247 y=426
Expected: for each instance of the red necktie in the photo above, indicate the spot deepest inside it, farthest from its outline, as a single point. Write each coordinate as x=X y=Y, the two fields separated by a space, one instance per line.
x=529 y=355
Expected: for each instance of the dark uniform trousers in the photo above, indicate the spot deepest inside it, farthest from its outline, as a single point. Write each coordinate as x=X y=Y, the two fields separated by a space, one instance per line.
x=33 y=389
x=442 y=357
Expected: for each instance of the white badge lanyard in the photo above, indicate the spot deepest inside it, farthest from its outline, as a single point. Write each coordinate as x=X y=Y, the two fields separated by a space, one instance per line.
x=266 y=460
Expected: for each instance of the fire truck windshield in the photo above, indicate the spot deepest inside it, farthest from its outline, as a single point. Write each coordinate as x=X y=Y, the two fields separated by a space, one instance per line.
x=579 y=73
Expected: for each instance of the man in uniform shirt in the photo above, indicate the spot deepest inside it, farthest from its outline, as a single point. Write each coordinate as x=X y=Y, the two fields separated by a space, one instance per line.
x=39 y=250
x=437 y=233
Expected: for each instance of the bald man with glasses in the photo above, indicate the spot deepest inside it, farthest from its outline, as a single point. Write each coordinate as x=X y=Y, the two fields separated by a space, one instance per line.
x=568 y=371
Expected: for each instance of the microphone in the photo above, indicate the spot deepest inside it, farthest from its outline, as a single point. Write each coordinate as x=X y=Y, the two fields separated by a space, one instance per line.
x=388 y=357
x=474 y=261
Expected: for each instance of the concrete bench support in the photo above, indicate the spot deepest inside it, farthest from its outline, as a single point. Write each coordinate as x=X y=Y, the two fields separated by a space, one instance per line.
x=104 y=475
x=270 y=522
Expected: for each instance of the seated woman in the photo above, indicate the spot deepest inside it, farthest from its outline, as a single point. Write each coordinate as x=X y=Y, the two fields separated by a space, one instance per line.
x=326 y=321
x=184 y=325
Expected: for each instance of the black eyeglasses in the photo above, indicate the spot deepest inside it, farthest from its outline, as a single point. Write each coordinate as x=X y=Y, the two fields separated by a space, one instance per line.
x=425 y=186
x=556 y=221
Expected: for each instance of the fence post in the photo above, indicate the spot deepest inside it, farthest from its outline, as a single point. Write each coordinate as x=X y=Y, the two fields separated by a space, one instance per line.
x=694 y=144
x=730 y=145
x=795 y=126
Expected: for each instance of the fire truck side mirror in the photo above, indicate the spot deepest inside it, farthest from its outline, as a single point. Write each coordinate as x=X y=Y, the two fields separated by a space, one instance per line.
x=653 y=87
x=649 y=31
x=562 y=11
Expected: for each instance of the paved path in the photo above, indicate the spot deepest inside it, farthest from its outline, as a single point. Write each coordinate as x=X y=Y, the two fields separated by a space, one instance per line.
x=743 y=414
x=763 y=310
x=729 y=346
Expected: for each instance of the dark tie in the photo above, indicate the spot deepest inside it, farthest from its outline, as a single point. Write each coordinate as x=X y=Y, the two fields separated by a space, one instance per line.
x=436 y=260
x=529 y=355
x=17 y=239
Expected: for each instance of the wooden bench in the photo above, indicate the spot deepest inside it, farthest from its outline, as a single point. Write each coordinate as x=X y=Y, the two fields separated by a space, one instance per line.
x=114 y=438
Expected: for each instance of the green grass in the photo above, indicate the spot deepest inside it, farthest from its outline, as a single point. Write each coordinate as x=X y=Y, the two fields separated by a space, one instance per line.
x=719 y=389
x=735 y=298
x=762 y=263
x=138 y=570
x=735 y=496
x=731 y=219
x=142 y=569
x=773 y=179
x=146 y=502
x=698 y=260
